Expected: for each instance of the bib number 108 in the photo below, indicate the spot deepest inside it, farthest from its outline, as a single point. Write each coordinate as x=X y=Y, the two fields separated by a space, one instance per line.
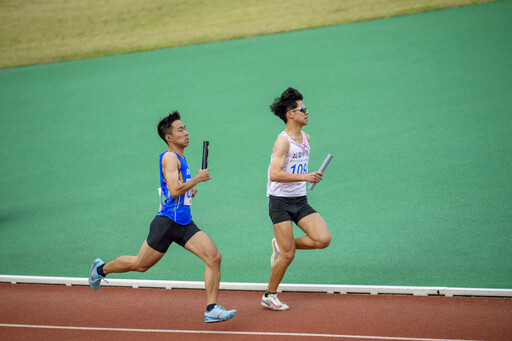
x=301 y=168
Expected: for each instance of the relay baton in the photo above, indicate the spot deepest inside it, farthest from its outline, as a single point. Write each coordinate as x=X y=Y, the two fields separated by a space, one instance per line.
x=205 y=154
x=322 y=169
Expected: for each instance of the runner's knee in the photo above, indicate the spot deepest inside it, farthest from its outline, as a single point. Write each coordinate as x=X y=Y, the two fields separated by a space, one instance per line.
x=288 y=256
x=214 y=259
x=323 y=242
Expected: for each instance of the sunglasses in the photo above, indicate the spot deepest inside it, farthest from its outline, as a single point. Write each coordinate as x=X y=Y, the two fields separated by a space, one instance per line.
x=302 y=109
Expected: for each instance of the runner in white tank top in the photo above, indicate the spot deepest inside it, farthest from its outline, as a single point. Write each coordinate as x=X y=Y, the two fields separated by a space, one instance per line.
x=286 y=190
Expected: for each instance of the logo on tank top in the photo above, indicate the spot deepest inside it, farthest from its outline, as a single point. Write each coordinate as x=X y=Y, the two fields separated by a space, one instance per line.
x=300 y=154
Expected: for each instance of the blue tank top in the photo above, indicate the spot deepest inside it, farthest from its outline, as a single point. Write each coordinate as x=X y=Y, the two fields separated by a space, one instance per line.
x=177 y=209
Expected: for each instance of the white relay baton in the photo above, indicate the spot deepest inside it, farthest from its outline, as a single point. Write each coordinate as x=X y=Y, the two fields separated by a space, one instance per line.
x=322 y=169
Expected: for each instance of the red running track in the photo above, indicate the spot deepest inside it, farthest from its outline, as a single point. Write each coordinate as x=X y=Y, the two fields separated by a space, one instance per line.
x=40 y=312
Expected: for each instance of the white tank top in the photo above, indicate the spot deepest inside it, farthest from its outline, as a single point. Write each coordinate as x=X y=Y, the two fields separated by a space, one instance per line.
x=296 y=162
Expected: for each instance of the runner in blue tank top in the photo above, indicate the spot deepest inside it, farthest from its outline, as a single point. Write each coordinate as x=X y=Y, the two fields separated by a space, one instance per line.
x=173 y=223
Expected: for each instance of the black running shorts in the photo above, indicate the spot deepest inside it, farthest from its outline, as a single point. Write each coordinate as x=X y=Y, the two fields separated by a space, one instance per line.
x=163 y=231
x=288 y=209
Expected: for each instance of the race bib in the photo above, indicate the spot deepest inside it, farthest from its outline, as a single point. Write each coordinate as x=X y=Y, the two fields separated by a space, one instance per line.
x=188 y=198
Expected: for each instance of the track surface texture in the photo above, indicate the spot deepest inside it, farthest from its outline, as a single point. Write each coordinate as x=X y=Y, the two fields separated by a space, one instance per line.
x=43 y=312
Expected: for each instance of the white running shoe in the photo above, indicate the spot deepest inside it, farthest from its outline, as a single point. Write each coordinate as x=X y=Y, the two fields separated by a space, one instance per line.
x=273 y=303
x=275 y=252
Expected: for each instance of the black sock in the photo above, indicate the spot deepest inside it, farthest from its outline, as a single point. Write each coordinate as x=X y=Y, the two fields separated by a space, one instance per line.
x=269 y=293
x=209 y=307
x=100 y=271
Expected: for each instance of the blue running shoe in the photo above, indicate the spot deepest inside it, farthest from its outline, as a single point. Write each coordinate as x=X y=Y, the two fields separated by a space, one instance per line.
x=218 y=314
x=94 y=277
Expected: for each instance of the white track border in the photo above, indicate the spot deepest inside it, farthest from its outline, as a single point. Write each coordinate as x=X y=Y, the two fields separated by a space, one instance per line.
x=283 y=287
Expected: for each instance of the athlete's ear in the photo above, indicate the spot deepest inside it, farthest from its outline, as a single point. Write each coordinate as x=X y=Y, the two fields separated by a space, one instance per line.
x=168 y=138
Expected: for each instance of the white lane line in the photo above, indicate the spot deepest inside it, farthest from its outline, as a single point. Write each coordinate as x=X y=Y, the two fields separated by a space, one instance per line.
x=339 y=336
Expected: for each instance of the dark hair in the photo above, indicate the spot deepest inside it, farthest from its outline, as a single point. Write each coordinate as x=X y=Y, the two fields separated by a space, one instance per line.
x=287 y=101
x=164 y=127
